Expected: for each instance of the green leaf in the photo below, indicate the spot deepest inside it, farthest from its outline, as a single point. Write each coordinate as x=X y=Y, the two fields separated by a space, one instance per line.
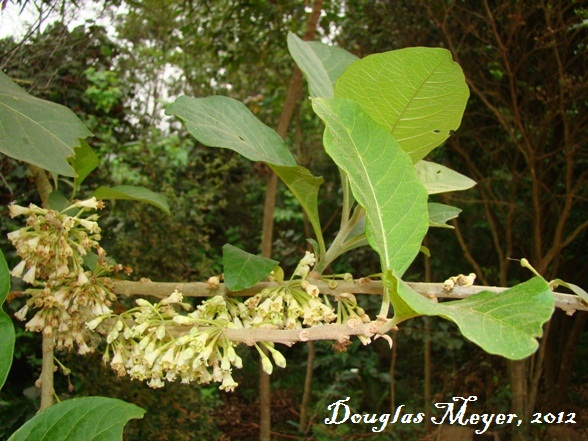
x=439 y=214
x=36 y=131
x=242 y=270
x=219 y=121
x=321 y=64
x=419 y=94
x=382 y=180
x=57 y=201
x=6 y=327
x=84 y=162
x=223 y=122
x=506 y=323
x=439 y=179
x=133 y=193
x=80 y=419
x=574 y=288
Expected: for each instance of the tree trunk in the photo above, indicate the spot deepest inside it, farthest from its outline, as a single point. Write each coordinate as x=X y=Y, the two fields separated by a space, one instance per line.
x=517 y=372
x=269 y=208
x=48 y=364
x=307 y=394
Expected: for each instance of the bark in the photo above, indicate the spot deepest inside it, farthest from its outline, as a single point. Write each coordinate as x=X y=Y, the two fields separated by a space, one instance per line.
x=270 y=204
x=307 y=394
x=48 y=363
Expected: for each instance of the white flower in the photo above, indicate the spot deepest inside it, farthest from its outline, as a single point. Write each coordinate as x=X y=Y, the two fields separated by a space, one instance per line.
x=33 y=243
x=18 y=269
x=151 y=357
x=29 y=277
x=213 y=282
x=13 y=236
x=17 y=210
x=88 y=203
x=160 y=333
x=312 y=290
x=302 y=271
x=21 y=314
x=89 y=225
x=91 y=325
x=82 y=278
x=174 y=297
x=155 y=383
x=228 y=384
x=308 y=259
x=182 y=320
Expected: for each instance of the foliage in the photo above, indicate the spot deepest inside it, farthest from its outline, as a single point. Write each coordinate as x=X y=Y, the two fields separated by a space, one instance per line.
x=6 y=327
x=80 y=418
x=32 y=123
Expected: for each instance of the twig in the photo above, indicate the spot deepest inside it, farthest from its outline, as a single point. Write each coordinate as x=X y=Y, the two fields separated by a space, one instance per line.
x=566 y=302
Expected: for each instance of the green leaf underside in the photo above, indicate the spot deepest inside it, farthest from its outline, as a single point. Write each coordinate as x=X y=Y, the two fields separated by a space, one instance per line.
x=36 y=131
x=242 y=270
x=219 y=121
x=321 y=64
x=439 y=179
x=419 y=94
x=505 y=324
x=334 y=59
x=223 y=122
x=133 y=193
x=84 y=162
x=80 y=419
x=6 y=327
x=382 y=179
x=439 y=214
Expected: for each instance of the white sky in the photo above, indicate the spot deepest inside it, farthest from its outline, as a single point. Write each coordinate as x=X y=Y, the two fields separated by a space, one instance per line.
x=14 y=23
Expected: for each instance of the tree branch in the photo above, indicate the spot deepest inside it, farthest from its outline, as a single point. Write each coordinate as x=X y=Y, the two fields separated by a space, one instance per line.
x=566 y=302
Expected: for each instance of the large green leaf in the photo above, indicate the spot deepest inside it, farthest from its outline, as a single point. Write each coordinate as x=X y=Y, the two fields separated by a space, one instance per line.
x=242 y=270
x=418 y=93
x=439 y=179
x=80 y=419
x=506 y=323
x=133 y=193
x=36 y=131
x=6 y=326
x=321 y=64
x=382 y=179
x=219 y=121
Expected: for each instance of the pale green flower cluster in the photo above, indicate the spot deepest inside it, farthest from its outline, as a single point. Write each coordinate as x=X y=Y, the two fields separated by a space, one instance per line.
x=52 y=247
x=287 y=307
x=150 y=343
x=155 y=343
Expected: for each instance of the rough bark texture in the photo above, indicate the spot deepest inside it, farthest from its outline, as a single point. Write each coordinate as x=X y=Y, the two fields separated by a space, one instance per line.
x=48 y=365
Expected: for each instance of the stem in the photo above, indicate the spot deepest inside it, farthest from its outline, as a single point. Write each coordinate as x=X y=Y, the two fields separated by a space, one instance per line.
x=338 y=246
x=566 y=302
x=48 y=364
